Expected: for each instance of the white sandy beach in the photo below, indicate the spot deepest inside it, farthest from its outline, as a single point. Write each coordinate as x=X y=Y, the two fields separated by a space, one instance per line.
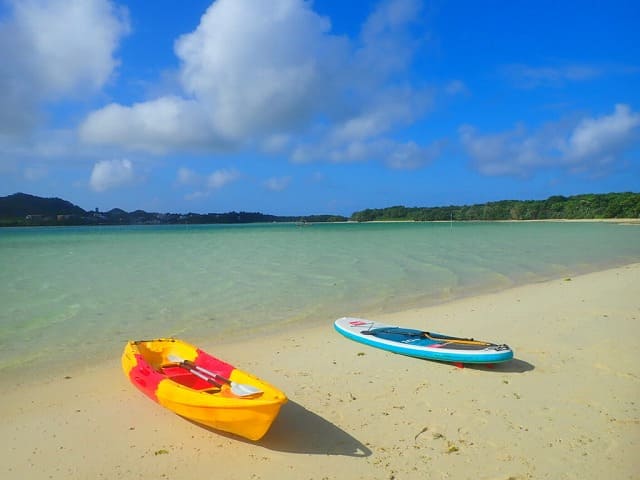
x=566 y=408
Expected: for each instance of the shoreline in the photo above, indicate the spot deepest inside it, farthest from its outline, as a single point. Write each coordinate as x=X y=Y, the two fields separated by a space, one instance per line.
x=621 y=221
x=624 y=221
x=565 y=407
x=51 y=322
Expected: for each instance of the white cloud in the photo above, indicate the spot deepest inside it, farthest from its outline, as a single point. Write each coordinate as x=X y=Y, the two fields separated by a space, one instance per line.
x=602 y=138
x=587 y=146
x=395 y=155
x=277 y=184
x=250 y=69
x=391 y=16
x=261 y=73
x=220 y=178
x=156 y=126
x=341 y=152
x=507 y=153
x=410 y=156
x=59 y=48
x=387 y=45
x=205 y=185
x=383 y=111
x=109 y=174
x=259 y=66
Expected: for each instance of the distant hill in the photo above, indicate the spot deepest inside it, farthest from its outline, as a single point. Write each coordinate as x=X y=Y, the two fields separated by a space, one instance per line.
x=19 y=205
x=21 y=209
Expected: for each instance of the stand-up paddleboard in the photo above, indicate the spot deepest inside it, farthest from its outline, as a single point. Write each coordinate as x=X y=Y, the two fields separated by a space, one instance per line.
x=417 y=343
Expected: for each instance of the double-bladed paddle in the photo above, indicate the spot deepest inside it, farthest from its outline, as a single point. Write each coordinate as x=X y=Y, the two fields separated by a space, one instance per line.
x=238 y=389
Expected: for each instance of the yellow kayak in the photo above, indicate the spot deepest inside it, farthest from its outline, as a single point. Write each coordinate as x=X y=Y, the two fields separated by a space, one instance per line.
x=202 y=388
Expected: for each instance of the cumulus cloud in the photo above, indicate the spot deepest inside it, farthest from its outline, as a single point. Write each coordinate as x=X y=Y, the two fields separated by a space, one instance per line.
x=259 y=66
x=255 y=73
x=587 y=146
x=601 y=139
x=157 y=126
x=255 y=68
x=205 y=185
x=393 y=154
x=59 y=49
x=110 y=174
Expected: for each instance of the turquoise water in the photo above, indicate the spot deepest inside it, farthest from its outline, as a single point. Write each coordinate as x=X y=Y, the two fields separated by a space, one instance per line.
x=81 y=292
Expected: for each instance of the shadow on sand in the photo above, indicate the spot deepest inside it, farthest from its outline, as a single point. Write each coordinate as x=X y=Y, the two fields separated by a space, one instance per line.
x=512 y=366
x=298 y=430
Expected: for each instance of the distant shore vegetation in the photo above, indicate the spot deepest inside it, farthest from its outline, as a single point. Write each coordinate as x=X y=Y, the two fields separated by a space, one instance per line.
x=588 y=206
x=21 y=209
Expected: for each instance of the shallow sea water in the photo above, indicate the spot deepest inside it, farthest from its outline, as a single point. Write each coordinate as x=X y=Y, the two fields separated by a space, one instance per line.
x=82 y=292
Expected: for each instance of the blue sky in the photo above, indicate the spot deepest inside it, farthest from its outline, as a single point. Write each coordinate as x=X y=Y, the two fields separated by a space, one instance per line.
x=296 y=107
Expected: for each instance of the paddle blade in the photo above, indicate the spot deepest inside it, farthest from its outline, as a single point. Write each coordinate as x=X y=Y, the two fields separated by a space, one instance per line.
x=175 y=358
x=244 y=390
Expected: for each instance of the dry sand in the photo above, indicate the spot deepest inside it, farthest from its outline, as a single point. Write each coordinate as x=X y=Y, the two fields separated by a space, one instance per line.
x=565 y=408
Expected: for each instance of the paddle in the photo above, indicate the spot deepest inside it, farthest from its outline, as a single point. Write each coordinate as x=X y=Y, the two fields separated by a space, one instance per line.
x=238 y=389
x=201 y=375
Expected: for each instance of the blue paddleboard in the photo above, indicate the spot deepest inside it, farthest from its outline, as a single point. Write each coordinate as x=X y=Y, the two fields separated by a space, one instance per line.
x=421 y=344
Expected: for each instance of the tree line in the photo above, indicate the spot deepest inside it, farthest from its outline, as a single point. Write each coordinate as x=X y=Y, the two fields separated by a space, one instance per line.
x=22 y=209
x=588 y=206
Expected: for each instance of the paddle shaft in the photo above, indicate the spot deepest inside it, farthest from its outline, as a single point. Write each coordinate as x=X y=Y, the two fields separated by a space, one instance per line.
x=238 y=389
x=207 y=372
x=201 y=375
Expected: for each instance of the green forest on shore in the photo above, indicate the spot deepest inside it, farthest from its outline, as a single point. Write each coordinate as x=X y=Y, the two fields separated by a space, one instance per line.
x=27 y=210
x=588 y=206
